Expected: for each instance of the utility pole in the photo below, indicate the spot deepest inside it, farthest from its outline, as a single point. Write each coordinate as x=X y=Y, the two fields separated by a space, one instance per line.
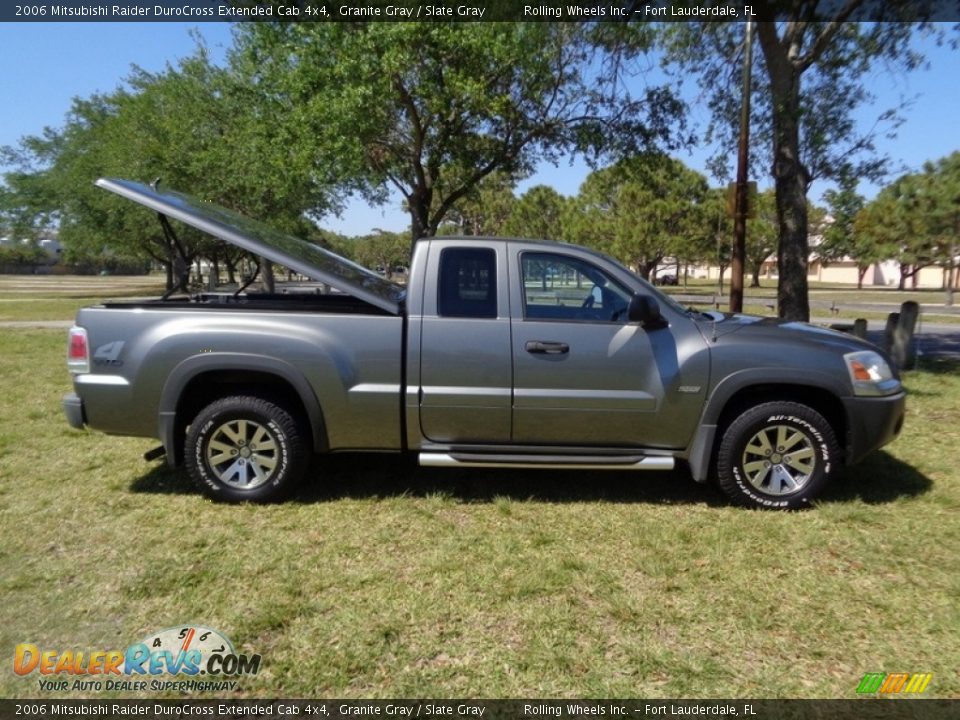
x=740 y=202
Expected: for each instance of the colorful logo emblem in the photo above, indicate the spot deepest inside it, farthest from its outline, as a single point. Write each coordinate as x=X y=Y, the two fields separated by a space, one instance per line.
x=894 y=683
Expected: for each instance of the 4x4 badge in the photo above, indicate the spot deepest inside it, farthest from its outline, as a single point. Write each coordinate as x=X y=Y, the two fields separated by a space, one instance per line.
x=109 y=354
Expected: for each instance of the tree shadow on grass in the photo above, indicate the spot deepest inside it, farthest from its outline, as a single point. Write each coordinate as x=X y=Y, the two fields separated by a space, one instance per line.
x=880 y=478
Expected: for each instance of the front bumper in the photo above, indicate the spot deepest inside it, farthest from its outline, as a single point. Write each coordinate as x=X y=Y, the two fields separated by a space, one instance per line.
x=73 y=409
x=872 y=422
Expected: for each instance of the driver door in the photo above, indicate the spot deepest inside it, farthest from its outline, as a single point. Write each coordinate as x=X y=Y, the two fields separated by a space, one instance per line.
x=581 y=374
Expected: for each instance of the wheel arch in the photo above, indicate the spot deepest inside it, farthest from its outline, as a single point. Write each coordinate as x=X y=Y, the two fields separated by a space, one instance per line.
x=200 y=380
x=730 y=399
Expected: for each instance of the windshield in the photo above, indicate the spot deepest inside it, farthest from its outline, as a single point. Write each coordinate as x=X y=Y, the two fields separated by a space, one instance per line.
x=259 y=238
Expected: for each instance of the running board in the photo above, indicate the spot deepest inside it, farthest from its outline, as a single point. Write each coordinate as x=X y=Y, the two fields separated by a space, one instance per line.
x=562 y=462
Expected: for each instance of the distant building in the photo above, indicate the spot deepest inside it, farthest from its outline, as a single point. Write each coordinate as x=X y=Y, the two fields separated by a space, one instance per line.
x=841 y=272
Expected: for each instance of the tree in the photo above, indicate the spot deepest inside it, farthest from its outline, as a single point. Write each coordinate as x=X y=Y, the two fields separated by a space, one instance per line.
x=194 y=127
x=383 y=251
x=642 y=209
x=540 y=213
x=430 y=110
x=815 y=60
x=486 y=208
x=762 y=235
x=718 y=247
x=841 y=239
x=843 y=204
x=896 y=224
x=942 y=188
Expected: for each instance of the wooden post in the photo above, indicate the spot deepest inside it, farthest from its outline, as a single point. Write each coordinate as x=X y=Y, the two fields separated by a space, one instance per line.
x=860 y=328
x=903 y=352
x=892 y=320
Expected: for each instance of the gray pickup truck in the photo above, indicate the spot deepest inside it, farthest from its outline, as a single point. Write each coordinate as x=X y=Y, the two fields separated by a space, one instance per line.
x=498 y=353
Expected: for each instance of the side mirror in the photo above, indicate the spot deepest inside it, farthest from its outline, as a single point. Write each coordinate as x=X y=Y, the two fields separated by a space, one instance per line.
x=646 y=311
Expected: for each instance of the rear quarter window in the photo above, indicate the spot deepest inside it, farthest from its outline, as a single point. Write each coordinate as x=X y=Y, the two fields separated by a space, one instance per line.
x=468 y=283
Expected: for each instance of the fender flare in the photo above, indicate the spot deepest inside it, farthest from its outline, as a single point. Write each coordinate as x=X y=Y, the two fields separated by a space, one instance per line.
x=700 y=452
x=188 y=369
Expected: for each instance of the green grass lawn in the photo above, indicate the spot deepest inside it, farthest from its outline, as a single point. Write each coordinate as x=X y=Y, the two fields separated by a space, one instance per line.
x=58 y=297
x=384 y=580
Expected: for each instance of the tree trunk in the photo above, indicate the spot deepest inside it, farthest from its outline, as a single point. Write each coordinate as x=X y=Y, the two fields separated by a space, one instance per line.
x=951 y=275
x=419 y=203
x=861 y=273
x=266 y=272
x=755 y=275
x=646 y=267
x=790 y=177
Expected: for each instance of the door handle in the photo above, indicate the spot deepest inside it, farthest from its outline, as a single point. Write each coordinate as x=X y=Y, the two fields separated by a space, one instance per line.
x=547 y=347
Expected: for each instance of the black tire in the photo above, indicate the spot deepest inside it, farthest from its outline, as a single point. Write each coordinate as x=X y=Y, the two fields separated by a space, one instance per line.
x=778 y=455
x=246 y=448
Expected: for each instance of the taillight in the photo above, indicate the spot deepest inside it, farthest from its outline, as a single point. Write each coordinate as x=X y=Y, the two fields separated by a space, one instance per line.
x=78 y=352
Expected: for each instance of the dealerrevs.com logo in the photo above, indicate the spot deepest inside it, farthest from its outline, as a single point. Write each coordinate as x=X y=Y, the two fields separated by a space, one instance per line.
x=184 y=653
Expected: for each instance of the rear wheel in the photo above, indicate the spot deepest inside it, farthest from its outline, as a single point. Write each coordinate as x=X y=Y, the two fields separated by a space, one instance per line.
x=778 y=455
x=246 y=448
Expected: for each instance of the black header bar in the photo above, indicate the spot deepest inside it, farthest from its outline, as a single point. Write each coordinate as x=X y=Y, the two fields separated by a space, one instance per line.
x=454 y=11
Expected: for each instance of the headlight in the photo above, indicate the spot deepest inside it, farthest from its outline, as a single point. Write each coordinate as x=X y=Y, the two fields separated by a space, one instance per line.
x=870 y=374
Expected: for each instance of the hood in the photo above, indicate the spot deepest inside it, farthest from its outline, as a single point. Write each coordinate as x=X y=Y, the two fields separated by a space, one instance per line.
x=760 y=328
x=301 y=256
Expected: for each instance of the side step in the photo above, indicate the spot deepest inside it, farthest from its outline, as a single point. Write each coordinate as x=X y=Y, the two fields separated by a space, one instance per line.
x=563 y=462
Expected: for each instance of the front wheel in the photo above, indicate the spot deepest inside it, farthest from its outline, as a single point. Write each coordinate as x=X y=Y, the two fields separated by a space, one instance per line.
x=777 y=455
x=246 y=448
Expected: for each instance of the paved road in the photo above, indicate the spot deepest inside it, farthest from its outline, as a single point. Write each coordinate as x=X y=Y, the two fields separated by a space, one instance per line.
x=933 y=339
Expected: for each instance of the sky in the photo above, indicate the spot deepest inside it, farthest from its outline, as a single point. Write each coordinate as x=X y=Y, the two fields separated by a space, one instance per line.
x=48 y=64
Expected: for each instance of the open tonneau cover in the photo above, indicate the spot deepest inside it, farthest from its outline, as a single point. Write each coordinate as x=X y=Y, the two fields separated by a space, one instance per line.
x=258 y=238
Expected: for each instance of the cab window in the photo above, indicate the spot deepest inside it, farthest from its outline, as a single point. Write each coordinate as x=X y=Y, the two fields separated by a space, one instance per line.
x=562 y=287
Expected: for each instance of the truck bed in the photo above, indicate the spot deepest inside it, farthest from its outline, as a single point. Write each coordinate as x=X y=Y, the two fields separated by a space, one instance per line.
x=149 y=355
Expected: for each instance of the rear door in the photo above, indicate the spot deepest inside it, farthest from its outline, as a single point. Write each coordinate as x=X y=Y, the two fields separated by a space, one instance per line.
x=465 y=346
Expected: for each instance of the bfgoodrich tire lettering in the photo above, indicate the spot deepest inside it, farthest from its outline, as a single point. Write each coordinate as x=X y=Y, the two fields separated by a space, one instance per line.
x=246 y=448
x=778 y=455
